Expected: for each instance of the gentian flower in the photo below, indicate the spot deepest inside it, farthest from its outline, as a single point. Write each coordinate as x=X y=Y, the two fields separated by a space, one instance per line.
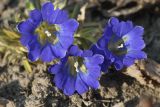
x=106 y=63
x=121 y=44
x=78 y=71
x=47 y=33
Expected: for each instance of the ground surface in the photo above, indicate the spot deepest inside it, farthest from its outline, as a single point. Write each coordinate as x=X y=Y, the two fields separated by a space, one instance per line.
x=118 y=89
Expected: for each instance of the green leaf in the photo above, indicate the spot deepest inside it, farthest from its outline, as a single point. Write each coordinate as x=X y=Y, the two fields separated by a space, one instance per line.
x=27 y=65
x=36 y=3
x=91 y=34
x=11 y=34
x=82 y=42
x=76 y=11
x=29 y=5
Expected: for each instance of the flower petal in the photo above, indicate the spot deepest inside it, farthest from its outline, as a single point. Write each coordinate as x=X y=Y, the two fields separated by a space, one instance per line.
x=59 y=51
x=118 y=64
x=103 y=41
x=134 y=40
x=70 y=25
x=106 y=63
x=75 y=51
x=47 y=54
x=127 y=61
x=26 y=27
x=124 y=28
x=94 y=71
x=60 y=16
x=89 y=80
x=47 y=12
x=66 y=42
x=87 y=53
x=54 y=69
x=95 y=59
x=69 y=87
x=113 y=21
x=60 y=79
x=34 y=50
x=36 y=16
x=80 y=86
x=137 y=54
x=26 y=39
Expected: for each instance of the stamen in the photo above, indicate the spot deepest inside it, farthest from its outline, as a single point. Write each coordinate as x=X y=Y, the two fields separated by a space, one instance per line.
x=76 y=65
x=83 y=68
x=47 y=33
x=120 y=46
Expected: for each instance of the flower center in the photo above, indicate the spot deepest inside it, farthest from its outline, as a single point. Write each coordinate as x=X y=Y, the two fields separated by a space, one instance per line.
x=76 y=64
x=47 y=33
x=116 y=46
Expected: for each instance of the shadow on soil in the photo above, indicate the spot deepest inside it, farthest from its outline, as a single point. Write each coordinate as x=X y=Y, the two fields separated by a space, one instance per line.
x=116 y=80
x=13 y=91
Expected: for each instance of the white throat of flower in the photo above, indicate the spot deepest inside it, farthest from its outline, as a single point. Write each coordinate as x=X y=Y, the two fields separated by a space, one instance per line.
x=76 y=66
x=48 y=33
x=117 y=47
x=120 y=46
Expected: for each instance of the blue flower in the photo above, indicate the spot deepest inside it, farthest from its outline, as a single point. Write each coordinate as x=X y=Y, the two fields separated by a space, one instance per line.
x=106 y=63
x=47 y=33
x=78 y=71
x=121 y=44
